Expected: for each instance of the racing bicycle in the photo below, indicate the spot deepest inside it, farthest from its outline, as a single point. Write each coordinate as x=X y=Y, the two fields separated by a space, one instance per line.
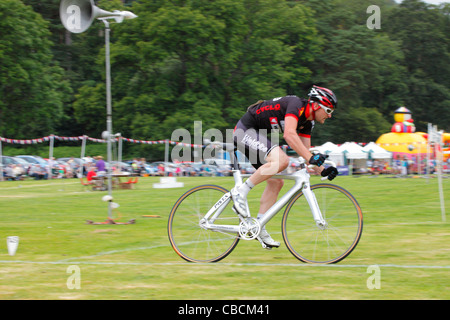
x=322 y=223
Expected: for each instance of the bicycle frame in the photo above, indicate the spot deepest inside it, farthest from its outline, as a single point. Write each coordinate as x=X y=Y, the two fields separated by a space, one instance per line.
x=301 y=178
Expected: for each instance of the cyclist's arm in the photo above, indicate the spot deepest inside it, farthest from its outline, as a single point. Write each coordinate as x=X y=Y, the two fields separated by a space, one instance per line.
x=300 y=144
x=307 y=143
x=293 y=140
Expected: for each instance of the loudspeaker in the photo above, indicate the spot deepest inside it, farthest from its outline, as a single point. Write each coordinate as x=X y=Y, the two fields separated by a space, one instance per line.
x=77 y=15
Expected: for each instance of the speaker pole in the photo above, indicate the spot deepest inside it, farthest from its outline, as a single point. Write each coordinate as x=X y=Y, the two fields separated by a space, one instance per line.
x=108 y=112
x=109 y=107
x=77 y=16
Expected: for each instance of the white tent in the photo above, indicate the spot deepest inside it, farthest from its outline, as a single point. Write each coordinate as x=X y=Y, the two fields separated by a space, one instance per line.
x=348 y=150
x=353 y=151
x=376 y=152
x=326 y=148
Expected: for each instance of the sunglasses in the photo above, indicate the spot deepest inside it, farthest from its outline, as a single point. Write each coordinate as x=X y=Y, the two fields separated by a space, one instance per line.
x=327 y=110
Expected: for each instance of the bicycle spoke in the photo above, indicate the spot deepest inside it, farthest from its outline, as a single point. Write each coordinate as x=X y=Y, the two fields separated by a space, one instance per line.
x=191 y=241
x=330 y=244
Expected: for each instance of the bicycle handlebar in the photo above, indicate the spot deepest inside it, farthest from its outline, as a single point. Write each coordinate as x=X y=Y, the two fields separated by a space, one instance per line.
x=331 y=163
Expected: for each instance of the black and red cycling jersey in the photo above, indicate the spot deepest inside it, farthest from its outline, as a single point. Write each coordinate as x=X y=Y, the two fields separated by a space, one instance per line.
x=270 y=115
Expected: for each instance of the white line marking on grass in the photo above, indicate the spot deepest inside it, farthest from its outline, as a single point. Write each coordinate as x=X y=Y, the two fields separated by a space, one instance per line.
x=113 y=252
x=224 y=264
x=50 y=184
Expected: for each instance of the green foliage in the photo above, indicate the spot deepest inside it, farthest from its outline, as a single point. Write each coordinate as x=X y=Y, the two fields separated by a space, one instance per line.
x=89 y=109
x=424 y=34
x=206 y=61
x=182 y=61
x=32 y=87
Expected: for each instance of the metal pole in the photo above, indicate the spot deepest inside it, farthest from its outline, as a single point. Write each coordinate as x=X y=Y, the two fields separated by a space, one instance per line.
x=50 y=156
x=1 y=162
x=439 y=160
x=108 y=113
x=119 y=155
x=83 y=150
x=166 y=158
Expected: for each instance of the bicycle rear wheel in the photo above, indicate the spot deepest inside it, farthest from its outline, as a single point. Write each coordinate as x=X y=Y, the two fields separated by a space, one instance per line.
x=192 y=242
x=312 y=244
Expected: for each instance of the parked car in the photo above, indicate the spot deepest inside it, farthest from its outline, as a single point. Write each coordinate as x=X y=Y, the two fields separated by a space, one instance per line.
x=75 y=164
x=169 y=166
x=224 y=170
x=34 y=159
x=123 y=166
x=6 y=160
x=25 y=164
x=151 y=169
x=78 y=161
x=12 y=161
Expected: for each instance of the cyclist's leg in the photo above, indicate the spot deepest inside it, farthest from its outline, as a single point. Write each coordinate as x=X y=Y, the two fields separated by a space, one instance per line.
x=276 y=161
x=267 y=158
x=270 y=194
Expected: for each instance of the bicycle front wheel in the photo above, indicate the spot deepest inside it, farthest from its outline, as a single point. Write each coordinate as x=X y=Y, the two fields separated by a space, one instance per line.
x=192 y=242
x=323 y=244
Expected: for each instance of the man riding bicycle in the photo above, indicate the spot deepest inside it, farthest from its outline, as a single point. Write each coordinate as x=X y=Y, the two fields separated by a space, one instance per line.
x=295 y=117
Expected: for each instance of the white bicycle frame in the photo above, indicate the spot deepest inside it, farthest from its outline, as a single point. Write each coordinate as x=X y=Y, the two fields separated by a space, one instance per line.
x=253 y=226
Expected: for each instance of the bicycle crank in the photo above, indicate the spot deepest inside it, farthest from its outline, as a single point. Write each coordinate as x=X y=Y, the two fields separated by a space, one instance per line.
x=249 y=229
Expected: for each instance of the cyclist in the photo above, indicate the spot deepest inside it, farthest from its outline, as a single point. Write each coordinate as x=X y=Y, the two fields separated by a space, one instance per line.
x=295 y=117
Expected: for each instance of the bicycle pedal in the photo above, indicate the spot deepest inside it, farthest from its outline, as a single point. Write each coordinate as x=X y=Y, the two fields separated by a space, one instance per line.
x=263 y=244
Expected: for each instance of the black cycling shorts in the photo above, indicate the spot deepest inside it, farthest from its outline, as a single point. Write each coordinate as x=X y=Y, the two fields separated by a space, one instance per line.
x=253 y=143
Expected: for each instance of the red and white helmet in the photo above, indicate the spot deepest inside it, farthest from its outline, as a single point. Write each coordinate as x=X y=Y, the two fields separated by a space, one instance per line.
x=323 y=96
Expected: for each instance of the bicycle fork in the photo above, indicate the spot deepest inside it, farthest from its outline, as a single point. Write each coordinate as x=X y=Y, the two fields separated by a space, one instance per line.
x=315 y=210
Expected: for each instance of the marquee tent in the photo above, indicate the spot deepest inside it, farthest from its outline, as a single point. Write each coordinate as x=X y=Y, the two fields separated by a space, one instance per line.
x=348 y=151
x=326 y=148
x=376 y=152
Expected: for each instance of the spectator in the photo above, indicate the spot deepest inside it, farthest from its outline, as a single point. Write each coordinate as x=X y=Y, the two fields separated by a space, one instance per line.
x=51 y=167
x=135 y=165
x=188 y=171
x=100 y=165
x=69 y=172
x=397 y=165
x=161 y=169
x=142 y=164
x=404 y=166
x=9 y=174
x=38 y=172
x=91 y=173
x=18 y=172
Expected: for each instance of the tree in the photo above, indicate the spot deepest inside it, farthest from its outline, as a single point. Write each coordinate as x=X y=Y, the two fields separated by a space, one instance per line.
x=32 y=86
x=423 y=32
x=183 y=61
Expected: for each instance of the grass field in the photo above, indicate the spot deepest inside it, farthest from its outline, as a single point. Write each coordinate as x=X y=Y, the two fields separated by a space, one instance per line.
x=404 y=236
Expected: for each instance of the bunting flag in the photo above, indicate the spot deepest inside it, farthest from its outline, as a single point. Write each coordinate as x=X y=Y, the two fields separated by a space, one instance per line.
x=79 y=138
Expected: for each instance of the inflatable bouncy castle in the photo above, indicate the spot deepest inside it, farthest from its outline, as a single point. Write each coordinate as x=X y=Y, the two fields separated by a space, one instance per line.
x=403 y=139
x=403 y=121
